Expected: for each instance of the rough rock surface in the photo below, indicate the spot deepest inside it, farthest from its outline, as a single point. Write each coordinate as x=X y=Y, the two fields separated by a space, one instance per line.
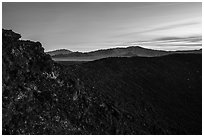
x=41 y=97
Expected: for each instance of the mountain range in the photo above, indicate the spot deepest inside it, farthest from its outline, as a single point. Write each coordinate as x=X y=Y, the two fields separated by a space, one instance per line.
x=67 y=55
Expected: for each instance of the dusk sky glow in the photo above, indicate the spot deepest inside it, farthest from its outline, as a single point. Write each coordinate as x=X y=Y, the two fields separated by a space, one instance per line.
x=91 y=26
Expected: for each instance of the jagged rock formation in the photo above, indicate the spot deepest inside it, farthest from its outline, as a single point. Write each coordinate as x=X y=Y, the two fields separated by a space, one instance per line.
x=41 y=97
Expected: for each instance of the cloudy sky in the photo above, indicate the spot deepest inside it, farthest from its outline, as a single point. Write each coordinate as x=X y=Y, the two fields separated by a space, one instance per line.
x=91 y=26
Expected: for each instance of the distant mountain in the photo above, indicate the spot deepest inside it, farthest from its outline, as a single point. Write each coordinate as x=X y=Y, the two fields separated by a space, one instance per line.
x=59 y=52
x=189 y=51
x=114 y=52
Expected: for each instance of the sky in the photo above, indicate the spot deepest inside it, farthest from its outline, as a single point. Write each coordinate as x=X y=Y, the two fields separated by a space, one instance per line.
x=94 y=25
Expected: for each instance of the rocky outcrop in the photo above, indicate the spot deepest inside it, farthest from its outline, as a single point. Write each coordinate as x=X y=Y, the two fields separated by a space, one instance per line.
x=41 y=97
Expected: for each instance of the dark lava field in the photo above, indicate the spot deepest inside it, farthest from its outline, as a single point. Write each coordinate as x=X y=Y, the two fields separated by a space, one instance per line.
x=117 y=95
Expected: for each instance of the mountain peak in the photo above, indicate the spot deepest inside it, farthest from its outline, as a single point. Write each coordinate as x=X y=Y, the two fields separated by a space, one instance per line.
x=59 y=52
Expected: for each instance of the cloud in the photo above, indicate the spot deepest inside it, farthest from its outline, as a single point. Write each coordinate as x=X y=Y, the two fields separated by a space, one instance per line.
x=171 y=26
x=167 y=38
x=166 y=27
x=196 y=38
x=170 y=43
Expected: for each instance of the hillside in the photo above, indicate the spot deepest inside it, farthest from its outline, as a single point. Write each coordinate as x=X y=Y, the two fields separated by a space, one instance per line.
x=163 y=94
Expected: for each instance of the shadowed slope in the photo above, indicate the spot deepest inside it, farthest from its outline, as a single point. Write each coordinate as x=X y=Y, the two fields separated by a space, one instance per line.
x=163 y=94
